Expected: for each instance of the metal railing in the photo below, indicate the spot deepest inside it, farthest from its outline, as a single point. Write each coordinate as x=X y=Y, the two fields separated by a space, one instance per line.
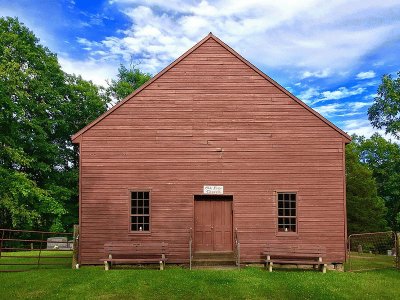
x=27 y=248
x=373 y=250
x=237 y=248
x=190 y=247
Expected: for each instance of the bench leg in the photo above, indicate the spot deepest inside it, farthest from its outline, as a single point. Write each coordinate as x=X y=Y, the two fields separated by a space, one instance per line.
x=161 y=265
x=106 y=265
x=323 y=268
x=270 y=264
x=163 y=260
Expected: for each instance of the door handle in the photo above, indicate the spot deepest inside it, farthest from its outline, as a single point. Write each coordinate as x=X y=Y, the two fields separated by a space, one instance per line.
x=212 y=227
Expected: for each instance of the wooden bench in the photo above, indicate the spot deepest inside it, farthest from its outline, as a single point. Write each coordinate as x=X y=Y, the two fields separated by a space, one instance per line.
x=295 y=255
x=134 y=253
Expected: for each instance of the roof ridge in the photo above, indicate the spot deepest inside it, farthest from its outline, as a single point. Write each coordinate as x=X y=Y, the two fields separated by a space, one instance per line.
x=236 y=54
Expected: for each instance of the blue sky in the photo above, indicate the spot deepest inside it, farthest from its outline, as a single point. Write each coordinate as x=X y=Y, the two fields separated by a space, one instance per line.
x=331 y=54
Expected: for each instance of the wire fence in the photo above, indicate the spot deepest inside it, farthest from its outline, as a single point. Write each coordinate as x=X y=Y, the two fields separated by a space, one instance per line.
x=22 y=250
x=370 y=251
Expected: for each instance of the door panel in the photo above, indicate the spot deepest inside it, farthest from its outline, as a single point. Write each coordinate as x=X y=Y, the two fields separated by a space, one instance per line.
x=203 y=226
x=213 y=225
x=222 y=223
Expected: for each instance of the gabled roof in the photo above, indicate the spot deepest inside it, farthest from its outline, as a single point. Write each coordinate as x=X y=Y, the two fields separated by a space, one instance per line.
x=75 y=137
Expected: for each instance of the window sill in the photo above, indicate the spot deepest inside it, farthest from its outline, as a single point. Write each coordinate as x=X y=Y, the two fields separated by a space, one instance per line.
x=131 y=233
x=287 y=234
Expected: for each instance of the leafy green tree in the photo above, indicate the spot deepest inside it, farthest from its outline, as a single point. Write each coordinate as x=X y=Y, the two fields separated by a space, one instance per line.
x=385 y=111
x=366 y=211
x=28 y=75
x=128 y=80
x=82 y=103
x=383 y=158
x=40 y=108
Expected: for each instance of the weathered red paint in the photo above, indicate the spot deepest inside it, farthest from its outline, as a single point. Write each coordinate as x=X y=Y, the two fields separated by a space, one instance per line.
x=212 y=118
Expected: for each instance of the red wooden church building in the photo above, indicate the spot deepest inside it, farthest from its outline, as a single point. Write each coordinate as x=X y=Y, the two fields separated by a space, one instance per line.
x=213 y=144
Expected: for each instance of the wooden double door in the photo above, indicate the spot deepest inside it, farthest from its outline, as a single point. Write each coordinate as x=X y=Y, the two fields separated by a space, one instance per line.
x=213 y=224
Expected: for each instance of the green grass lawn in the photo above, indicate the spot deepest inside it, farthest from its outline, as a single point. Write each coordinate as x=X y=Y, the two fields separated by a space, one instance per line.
x=61 y=282
x=367 y=261
x=46 y=257
x=178 y=283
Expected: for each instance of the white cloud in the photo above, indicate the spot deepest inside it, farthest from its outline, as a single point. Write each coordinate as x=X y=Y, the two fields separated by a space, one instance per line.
x=362 y=127
x=308 y=95
x=312 y=38
x=358 y=105
x=344 y=109
x=329 y=109
x=359 y=127
x=87 y=43
x=97 y=71
x=318 y=74
x=371 y=96
x=321 y=38
x=313 y=96
x=366 y=75
x=340 y=93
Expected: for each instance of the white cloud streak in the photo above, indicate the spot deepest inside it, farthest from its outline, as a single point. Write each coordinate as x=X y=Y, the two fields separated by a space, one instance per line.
x=340 y=93
x=308 y=95
x=313 y=96
x=317 y=74
x=89 y=69
x=366 y=75
x=329 y=109
x=346 y=109
x=362 y=127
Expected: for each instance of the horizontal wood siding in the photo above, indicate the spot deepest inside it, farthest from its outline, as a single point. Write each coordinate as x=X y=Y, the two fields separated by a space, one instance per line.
x=211 y=120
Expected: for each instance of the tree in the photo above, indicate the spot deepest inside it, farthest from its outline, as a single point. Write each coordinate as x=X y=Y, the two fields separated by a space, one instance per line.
x=383 y=158
x=82 y=103
x=385 y=111
x=40 y=108
x=366 y=211
x=28 y=73
x=127 y=81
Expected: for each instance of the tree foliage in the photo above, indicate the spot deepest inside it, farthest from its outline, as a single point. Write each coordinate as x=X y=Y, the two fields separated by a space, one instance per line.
x=366 y=211
x=383 y=158
x=40 y=108
x=385 y=111
x=128 y=80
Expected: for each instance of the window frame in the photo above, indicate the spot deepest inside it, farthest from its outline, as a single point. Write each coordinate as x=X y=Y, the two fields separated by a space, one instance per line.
x=286 y=233
x=132 y=232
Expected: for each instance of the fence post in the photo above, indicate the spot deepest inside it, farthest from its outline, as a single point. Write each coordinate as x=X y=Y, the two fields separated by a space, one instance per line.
x=349 y=252
x=1 y=242
x=40 y=250
x=397 y=245
x=75 y=250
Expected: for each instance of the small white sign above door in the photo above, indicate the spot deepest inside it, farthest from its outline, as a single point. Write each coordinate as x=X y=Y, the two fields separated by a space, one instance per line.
x=213 y=189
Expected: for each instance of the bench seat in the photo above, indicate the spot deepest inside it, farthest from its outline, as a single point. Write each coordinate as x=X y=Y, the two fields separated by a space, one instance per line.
x=135 y=260
x=295 y=255
x=295 y=262
x=134 y=253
